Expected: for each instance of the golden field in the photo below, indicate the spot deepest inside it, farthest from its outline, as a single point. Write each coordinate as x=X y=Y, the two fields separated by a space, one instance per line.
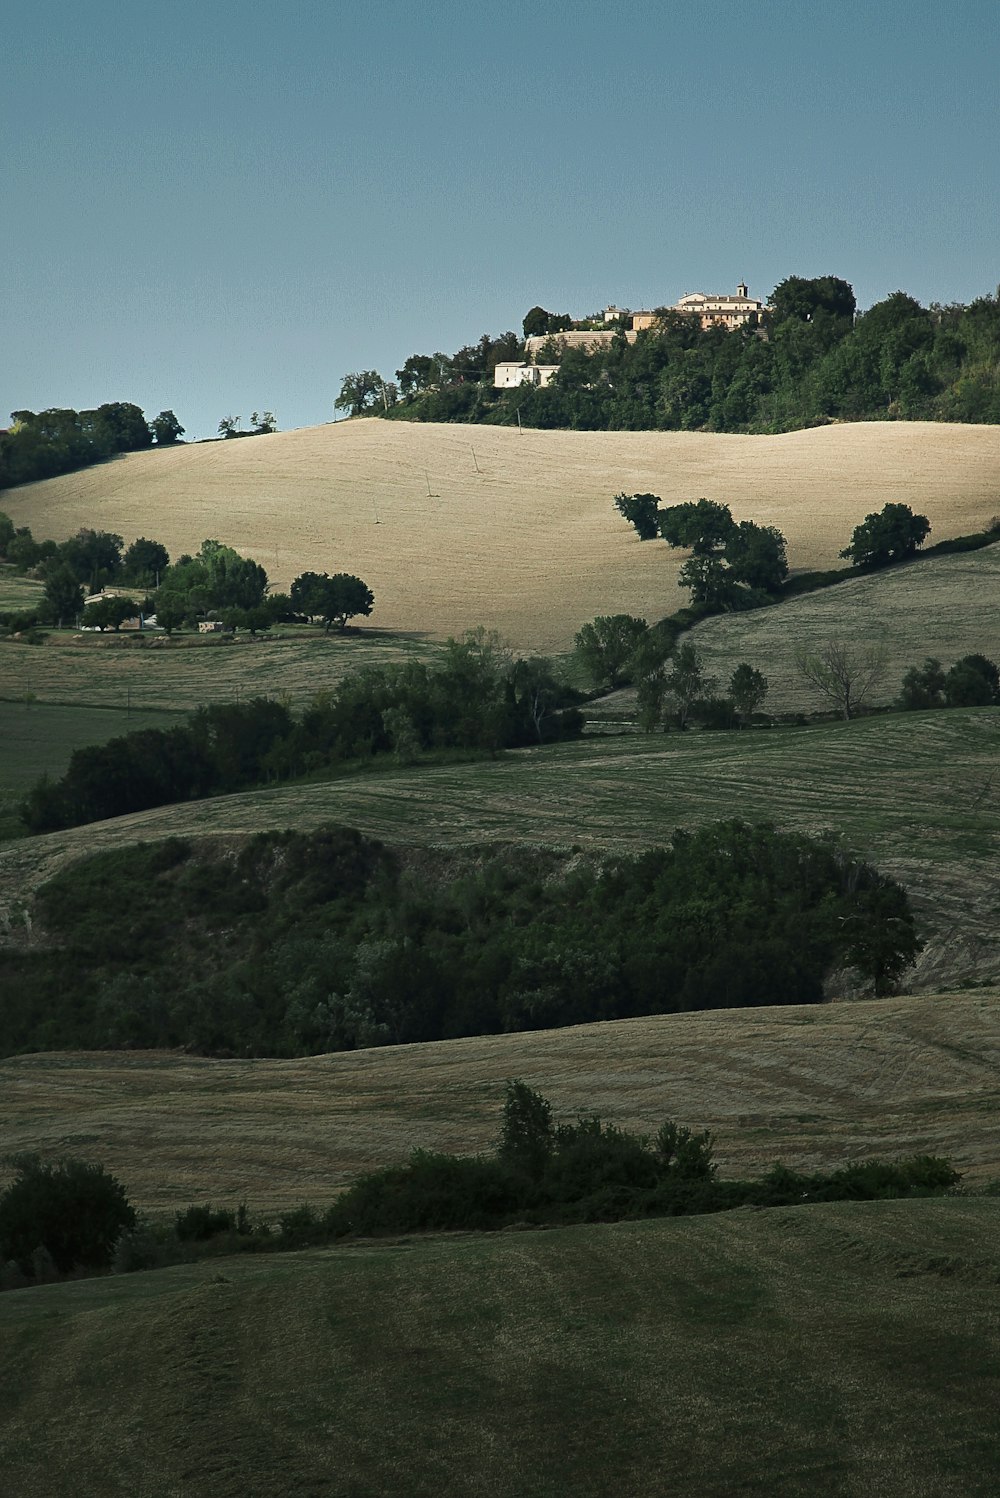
x=483 y=525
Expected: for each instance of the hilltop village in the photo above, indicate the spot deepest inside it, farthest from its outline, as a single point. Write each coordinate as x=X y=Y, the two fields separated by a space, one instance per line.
x=711 y=309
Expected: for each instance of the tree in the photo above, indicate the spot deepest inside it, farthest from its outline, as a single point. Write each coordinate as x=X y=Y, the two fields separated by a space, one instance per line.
x=63 y=594
x=170 y=613
x=747 y=689
x=145 y=562
x=94 y=556
x=704 y=524
x=888 y=536
x=797 y=297
x=334 y=599
x=974 y=681
x=166 y=429
x=360 y=392
x=527 y=1135
x=231 y=581
x=687 y=680
x=262 y=424
x=756 y=556
x=228 y=426
x=75 y=1211
x=640 y=510
x=605 y=647
x=23 y=551
x=923 y=686
x=124 y=425
x=536 y=322
x=7 y=532
x=843 y=676
x=416 y=374
x=110 y=613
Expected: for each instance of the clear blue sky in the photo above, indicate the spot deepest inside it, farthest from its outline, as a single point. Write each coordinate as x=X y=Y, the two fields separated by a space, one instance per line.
x=216 y=208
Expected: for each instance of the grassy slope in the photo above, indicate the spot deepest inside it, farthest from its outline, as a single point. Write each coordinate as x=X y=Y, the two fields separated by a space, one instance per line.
x=38 y=739
x=847 y=1350
x=98 y=671
x=916 y=792
x=529 y=543
x=814 y=1086
x=943 y=607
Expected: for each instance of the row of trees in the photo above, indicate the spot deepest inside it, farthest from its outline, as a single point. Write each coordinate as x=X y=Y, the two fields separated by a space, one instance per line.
x=75 y=1217
x=262 y=424
x=480 y=699
x=216 y=581
x=732 y=564
x=674 y=688
x=41 y=444
x=813 y=359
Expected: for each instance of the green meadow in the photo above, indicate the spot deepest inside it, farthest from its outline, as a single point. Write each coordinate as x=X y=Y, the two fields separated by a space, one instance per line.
x=848 y=1349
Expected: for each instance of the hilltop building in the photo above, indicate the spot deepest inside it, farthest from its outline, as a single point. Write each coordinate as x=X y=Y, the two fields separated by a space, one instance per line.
x=713 y=309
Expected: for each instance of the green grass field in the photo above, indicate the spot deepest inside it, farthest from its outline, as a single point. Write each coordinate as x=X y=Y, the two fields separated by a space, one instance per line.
x=847 y=1350
x=18 y=592
x=943 y=607
x=38 y=738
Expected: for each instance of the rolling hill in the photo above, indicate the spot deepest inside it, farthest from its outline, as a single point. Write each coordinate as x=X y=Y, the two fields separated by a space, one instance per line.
x=846 y=1350
x=812 y=1086
x=455 y=526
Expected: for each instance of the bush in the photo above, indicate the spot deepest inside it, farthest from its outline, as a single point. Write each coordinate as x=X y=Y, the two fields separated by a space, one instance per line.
x=75 y=1211
x=431 y=1193
x=196 y=1223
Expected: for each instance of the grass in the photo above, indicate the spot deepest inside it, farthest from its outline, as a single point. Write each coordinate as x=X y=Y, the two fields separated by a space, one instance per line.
x=17 y=593
x=38 y=739
x=917 y=793
x=848 y=1349
x=153 y=673
x=812 y=1086
x=453 y=526
x=944 y=607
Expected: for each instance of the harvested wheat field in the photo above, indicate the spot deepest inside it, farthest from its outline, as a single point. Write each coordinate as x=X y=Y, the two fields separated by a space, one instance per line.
x=810 y=1085
x=454 y=526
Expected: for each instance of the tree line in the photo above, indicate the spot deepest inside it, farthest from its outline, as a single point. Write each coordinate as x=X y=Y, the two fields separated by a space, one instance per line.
x=302 y=943
x=216 y=582
x=41 y=444
x=813 y=359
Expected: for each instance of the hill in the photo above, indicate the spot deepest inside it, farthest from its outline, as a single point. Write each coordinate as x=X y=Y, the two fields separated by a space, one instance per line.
x=915 y=793
x=812 y=1086
x=846 y=1350
x=483 y=525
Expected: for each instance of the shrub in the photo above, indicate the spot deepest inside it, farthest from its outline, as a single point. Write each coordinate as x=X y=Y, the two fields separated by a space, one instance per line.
x=197 y=1223
x=75 y=1211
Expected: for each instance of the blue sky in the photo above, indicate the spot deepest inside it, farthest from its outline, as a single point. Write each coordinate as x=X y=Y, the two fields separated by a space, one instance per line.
x=220 y=208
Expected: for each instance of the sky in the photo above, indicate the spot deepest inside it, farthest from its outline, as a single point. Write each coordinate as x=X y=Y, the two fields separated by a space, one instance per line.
x=218 y=209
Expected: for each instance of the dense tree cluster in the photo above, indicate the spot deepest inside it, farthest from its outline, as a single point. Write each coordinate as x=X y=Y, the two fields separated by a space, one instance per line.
x=59 y=1218
x=331 y=600
x=973 y=681
x=42 y=444
x=890 y=535
x=813 y=360
x=325 y=941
